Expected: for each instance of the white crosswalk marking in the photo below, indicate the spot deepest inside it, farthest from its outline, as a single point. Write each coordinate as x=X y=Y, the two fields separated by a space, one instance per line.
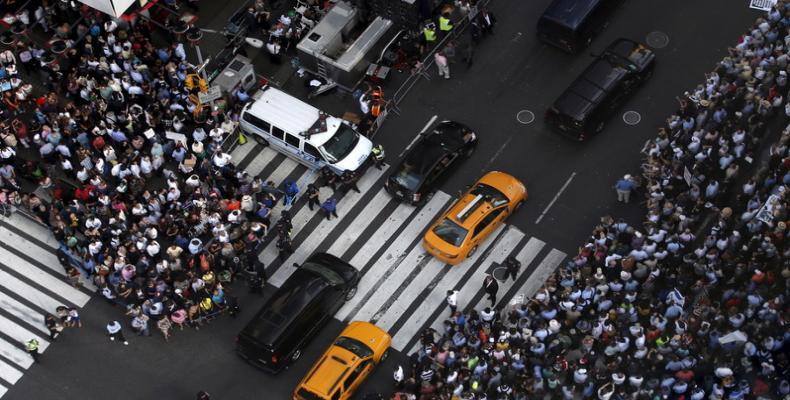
x=260 y=161
x=542 y=272
x=405 y=298
x=301 y=183
x=23 y=312
x=15 y=354
x=35 y=229
x=394 y=254
x=41 y=300
x=360 y=223
x=8 y=373
x=436 y=299
x=33 y=273
x=298 y=221
x=385 y=231
x=3 y=390
x=320 y=233
x=282 y=171
x=240 y=152
x=525 y=256
x=45 y=256
x=20 y=334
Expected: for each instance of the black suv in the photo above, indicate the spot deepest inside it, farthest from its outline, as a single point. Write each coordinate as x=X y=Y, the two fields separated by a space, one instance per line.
x=571 y=24
x=285 y=324
x=581 y=111
x=434 y=152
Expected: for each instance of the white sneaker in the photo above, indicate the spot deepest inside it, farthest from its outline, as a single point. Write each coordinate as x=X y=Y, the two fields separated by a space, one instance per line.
x=125 y=343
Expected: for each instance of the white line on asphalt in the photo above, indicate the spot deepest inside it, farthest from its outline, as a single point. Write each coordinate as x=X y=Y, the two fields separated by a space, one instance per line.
x=436 y=298
x=8 y=373
x=542 y=272
x=260 y=161
x=39 y=299
x=23 y=312
x=418 y=135
x=15 y=354
x=46 y=280
x=556 y=196
x=395 y=253
x=20 y=334
x=359 y=224
x=322 y=231
x=525 y=257
x=497 y=154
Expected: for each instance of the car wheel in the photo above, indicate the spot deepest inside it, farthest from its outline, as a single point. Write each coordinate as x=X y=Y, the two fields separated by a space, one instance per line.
x=261 y=140
x=469 y=151
x=295 y=356
x=471 y=252
x=385 y=355
x=351 y=293
x=599 y=128
x=518 y=205
x=588 y=42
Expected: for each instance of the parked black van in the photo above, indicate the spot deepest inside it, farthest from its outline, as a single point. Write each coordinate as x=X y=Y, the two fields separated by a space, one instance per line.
x=581 y=111
x=285 y=324
x=571 y=24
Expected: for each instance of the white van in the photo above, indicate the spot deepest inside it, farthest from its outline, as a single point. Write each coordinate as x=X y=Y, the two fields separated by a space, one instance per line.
x=284 y=121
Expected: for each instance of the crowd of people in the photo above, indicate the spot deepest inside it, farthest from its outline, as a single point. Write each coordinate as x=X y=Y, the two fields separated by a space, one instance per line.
x=650 y=310
x=131 y=177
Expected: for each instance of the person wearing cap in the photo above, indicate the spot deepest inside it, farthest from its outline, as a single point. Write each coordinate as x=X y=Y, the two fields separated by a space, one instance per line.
x=624 y=187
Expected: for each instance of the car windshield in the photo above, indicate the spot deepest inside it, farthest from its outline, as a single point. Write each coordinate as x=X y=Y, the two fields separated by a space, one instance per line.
x=325 y=272
x=407 y=177
x=340 y=144
x=450 y=232
x=354 y=346
x=493 y=196
x=305 y=394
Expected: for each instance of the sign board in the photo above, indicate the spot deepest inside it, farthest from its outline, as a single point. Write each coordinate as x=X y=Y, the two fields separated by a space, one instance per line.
x=175 y=136
x=764 y=5
x=766 y=212
x=213 y=93
x=687 y=175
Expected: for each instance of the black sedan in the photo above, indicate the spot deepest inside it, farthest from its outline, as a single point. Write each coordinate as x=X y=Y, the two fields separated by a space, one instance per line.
x=436 y=150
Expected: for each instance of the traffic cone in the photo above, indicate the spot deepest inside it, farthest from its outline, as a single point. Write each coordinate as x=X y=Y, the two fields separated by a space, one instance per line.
x=242 y=138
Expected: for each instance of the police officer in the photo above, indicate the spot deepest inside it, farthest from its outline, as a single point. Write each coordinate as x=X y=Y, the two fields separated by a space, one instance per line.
x=511 y=267
x=284 y=247
x=445 y=25
x=378 y=155
x=312 y=197
x=32 y=348
x=328 y=177
x=429 y=33
x=349 y=179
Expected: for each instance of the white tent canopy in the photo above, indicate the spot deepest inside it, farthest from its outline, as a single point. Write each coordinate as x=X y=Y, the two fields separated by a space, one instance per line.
x=111 y=7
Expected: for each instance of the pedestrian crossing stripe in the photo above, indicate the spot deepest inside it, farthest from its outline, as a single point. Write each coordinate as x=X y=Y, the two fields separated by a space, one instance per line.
x=32 y=284
x=402 y=288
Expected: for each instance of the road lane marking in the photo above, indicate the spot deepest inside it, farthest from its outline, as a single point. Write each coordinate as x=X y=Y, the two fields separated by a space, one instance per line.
x=556 y=196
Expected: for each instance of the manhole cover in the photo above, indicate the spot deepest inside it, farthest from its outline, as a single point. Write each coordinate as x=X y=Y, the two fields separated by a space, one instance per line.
x=632 y=117
x=525 y=117
x=657 y=40
x=500 y=273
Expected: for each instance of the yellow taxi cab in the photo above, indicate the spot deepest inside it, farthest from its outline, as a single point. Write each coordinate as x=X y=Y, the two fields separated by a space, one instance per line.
x=458 y=232
x=345 y=365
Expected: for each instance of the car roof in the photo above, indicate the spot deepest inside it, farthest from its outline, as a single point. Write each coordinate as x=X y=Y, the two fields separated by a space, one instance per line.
x=285 y=306
x=446 y=137
x=337 y=361
x=570 y=13
x=292 y=115
x=474 y=207
x=589 y=88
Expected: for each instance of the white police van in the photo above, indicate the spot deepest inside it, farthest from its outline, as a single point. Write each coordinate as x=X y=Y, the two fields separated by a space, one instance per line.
x=304 y=133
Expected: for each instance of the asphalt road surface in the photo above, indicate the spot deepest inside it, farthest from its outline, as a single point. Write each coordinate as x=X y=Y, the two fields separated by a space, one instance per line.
x=569 y=187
